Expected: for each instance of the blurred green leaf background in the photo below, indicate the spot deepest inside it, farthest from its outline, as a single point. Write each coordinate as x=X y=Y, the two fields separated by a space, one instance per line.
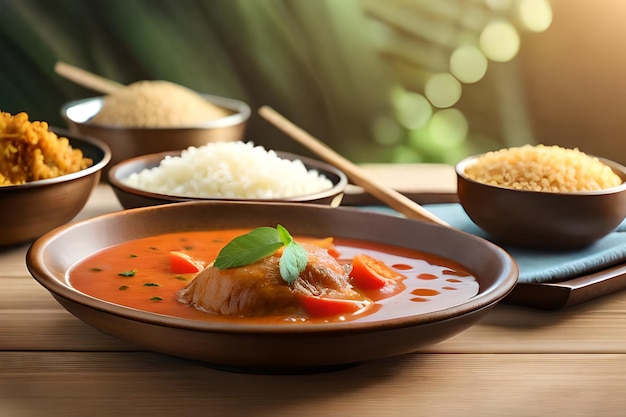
x=354 y=73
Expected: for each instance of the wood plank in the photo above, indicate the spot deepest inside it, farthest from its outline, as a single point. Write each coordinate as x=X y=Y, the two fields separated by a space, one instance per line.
x=595 y=326
x=105 y=384
x=13 y=262
x=423 y=183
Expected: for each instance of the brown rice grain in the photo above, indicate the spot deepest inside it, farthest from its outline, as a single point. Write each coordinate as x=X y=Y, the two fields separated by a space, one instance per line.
x=156 y=104
x=543 y=168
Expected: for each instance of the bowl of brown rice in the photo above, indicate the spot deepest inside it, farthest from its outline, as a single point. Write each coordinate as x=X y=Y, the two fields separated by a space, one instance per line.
x=156 y=116
x=46 y=176
x=543 y=197
x=233 y=171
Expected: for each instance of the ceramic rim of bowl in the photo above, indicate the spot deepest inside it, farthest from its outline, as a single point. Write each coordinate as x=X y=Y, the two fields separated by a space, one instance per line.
x=154 y=160
x=485 y=298
x=617 y=168
x=241 y=113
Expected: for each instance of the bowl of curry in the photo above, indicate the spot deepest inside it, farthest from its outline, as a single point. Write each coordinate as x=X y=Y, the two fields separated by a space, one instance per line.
x=188 y=280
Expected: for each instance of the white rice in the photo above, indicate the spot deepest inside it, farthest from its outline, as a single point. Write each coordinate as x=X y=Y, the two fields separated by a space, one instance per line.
x=230 y=170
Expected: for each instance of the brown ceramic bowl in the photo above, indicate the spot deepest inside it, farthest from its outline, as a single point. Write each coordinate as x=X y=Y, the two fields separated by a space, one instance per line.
x=37 y=207
x=278 y=347
x=131 y=197
x=542 y=220
x=127 y=142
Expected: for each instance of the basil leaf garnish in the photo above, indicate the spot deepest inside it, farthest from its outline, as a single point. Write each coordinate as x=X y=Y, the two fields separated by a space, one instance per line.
x=249 y=248
x=292 y=262
x=260 y=243
x=284 y=235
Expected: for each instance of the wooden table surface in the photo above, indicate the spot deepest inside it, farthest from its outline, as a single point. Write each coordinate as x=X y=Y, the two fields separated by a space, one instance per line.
x=516 y=361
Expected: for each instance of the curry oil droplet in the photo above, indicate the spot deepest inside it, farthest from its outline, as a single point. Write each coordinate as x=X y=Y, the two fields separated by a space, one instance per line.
x=419 y=299
x=453 y=280
x=449 y=288
x=427 y=276
x=456 y=273
x=402 y=267
x=425 y=292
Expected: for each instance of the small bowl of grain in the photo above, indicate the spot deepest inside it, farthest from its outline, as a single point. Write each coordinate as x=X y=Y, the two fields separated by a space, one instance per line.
x=156 y=116
x=543 y=197
x=46 y=176
x=233 y=171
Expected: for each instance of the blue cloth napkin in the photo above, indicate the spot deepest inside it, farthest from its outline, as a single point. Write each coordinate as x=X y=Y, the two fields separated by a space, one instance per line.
x=540 y=266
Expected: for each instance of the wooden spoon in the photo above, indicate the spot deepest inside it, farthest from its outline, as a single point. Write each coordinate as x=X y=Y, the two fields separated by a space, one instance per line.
x=86 y=78
x=389 y=196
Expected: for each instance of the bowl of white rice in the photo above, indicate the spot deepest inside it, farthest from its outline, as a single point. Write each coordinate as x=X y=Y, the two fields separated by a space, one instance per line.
x=543 y=197
x=225 y=171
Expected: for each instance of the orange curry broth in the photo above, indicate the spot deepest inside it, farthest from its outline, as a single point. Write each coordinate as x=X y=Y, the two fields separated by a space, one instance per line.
x=137 y=274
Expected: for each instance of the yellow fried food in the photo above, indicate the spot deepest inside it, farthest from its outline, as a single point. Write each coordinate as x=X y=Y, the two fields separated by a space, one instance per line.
x=29 y=151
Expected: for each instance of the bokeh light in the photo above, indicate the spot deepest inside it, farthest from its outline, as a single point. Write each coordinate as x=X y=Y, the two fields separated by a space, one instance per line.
x=413 y=109
x=468 y=64
x=444 y=138
x=443 y=90
x=448 y=128
x=499 y=41
x=535 y=15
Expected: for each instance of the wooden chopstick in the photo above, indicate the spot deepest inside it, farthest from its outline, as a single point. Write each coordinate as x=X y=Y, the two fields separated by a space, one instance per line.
x=387 y=195
x=86 y=78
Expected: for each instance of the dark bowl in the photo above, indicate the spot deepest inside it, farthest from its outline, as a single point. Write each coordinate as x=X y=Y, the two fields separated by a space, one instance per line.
x=36 y=207
x=542 y=220
x=131 y=197
x=274 y=347
x=128 y=142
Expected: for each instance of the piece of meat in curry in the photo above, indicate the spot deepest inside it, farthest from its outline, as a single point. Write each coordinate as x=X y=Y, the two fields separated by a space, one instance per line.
x=259 y=290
